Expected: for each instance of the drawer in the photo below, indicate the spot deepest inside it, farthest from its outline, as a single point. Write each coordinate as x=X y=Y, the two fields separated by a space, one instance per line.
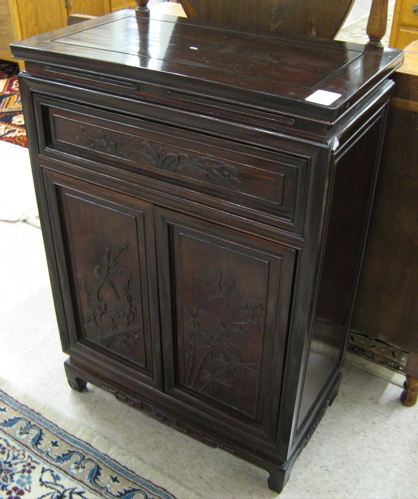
x=409 y=13
x=405 y=37
x=245 y=176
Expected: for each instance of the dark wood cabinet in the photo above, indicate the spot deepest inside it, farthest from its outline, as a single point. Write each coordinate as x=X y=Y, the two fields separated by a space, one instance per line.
x=204 y=212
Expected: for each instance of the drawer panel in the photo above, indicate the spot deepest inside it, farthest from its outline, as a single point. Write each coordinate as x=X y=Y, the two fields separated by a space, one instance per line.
x=405 y=37
x=248 y=176
x=409 y=13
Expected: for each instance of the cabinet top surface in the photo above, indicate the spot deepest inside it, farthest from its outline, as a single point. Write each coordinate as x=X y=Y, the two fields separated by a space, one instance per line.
x=320 y=77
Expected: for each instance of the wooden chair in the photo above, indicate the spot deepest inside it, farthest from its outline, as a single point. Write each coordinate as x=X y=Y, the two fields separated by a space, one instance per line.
x=322 y=18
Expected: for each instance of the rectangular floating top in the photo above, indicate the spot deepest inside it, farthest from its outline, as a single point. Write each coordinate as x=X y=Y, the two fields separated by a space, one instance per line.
x=285 y=73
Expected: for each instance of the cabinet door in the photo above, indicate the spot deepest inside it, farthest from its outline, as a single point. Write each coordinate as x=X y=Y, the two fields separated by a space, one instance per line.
x=225 y=305
x=105 y=278
x=6 y=30
x=35 y=18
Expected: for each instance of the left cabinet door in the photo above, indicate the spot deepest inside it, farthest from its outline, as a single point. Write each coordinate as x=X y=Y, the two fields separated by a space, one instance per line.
x=106 y=295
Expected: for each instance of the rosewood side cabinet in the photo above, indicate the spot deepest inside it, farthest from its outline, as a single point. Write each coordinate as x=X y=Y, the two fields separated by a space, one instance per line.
x=204 y=197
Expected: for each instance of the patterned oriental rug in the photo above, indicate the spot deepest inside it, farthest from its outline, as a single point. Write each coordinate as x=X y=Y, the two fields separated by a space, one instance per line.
x=12 y=124
x=38 y=460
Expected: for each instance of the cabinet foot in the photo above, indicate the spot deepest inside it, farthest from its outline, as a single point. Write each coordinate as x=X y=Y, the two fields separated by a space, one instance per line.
x=410 y=393
x=78 y=384
x=277 y=480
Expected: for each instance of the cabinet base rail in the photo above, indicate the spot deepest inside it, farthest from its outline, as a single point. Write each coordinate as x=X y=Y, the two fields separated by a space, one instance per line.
x=78 y=377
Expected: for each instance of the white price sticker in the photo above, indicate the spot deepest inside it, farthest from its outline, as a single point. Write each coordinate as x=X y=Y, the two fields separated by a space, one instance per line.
x=323 y=97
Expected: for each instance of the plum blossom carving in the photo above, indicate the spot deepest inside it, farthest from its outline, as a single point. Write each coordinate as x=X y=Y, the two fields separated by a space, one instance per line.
x=116 y=332
x=207 y=169
x=214 y=351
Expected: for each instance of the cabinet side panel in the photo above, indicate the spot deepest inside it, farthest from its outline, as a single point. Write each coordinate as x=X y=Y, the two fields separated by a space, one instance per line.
x=352 y=187
x=391 y=257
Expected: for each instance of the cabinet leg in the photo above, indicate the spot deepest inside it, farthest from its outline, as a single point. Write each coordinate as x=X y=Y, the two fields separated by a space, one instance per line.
x=410 y=393
x=277 y=480
x=76 y=383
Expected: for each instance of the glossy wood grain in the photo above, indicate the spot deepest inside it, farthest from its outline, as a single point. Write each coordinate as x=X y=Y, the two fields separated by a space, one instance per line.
x=273 y=71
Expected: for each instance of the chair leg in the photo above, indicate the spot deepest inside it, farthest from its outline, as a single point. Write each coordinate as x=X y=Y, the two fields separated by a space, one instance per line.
x=142 y=5
x=410 y=393
x=378 y=21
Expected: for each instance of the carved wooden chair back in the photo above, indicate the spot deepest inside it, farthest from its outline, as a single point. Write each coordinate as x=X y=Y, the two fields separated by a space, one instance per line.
x=321 y=18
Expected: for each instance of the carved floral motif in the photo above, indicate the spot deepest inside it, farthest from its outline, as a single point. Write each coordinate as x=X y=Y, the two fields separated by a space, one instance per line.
x=206 y=169
x=116 y=331
x=215 y=349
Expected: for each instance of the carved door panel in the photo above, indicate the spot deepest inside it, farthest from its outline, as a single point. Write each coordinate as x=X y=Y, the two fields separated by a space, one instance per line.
x=109 y=302
x=224 y=344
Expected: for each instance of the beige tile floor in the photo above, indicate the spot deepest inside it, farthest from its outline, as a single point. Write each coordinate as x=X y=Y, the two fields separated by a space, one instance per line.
x=365 y=447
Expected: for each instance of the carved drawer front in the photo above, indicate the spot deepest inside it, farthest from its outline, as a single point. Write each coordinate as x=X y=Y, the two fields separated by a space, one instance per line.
x=226 y=342
x=103 y=251
x=241 y=175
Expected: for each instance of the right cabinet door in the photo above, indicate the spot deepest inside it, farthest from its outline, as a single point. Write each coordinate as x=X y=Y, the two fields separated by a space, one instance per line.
x=225 y=299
